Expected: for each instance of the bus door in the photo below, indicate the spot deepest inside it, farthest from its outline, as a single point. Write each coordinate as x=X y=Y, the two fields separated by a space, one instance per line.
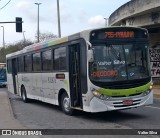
x=75 y=75
x=14 y=74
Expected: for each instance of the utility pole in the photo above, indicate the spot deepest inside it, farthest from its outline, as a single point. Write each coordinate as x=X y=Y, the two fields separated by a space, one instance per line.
x=106 y=20
x=3 y=37
x=59 y=24
x=24 y=39
x=38 y=23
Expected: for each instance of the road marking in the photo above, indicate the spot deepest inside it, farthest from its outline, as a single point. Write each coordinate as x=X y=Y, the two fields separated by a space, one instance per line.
x=153 y=107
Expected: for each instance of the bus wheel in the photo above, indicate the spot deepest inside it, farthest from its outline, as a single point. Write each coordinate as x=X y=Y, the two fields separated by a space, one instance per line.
x=65 y=104
x=24 y=95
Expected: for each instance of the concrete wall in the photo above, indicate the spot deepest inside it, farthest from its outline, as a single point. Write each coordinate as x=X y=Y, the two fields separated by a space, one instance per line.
x=134 y=8
x=143 y=13
x=154 y=40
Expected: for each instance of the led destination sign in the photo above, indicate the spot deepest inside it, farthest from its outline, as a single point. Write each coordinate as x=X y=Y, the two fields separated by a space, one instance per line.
x=117 y=33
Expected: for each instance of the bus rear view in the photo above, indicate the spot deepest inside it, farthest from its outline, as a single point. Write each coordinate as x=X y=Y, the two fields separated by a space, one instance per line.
x=3 y=76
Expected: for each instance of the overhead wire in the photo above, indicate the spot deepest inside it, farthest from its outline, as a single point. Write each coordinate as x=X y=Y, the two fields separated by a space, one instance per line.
x=5 y=5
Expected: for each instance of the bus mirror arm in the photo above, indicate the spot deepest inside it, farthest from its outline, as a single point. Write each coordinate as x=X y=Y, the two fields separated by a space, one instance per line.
x=91 y=55
x=90 y=52
x=89 y=45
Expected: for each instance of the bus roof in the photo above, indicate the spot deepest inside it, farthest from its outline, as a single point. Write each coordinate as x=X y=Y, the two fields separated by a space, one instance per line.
x=50 y=42
x=84 y=34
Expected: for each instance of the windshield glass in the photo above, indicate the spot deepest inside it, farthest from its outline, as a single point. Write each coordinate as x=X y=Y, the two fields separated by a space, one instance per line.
x=119 y=62
x=2 y=73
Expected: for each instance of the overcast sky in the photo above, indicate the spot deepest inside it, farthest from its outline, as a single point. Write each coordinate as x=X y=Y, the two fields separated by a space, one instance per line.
x=76 y=15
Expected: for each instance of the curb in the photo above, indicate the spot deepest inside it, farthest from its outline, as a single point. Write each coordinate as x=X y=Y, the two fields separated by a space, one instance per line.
x=11 y=111
x=10 y=107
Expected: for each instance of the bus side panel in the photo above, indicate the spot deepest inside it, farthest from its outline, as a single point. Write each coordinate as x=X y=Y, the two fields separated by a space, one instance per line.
x=36 y=86
x=60 y=84
x=17 y=86
x=26 y=81
x=47 y=91
x=10 y=83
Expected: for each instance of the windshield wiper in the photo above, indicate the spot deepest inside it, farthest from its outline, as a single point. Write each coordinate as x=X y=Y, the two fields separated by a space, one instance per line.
x=115 y=52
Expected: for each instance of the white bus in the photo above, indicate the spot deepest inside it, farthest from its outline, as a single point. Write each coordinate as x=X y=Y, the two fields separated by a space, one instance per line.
x=95 y=70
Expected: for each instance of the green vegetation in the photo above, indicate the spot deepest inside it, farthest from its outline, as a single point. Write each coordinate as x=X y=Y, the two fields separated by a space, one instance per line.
x=10 y=48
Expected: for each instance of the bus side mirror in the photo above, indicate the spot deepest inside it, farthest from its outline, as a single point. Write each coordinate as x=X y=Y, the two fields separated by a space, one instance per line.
x=91 y=55
x=90 y=52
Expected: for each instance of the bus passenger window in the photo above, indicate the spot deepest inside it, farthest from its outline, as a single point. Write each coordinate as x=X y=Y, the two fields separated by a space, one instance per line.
x=37 y=62
x=27 y=63
x=47 y=60
x=20 y=63
x=9 y=66
x=60 y=59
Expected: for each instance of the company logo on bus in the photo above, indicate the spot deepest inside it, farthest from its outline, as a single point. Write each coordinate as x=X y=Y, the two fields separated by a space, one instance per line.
x=127 y=34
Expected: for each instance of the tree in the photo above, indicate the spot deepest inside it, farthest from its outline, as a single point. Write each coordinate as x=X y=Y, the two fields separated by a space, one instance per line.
x=10 y=48
x=45 y=36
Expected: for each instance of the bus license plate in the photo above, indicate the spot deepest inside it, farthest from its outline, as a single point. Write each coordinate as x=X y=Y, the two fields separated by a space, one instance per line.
x=128 y=102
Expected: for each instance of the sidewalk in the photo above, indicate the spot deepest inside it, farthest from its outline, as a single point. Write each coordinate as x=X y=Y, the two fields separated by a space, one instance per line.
x=7 y=120
x=156 y=92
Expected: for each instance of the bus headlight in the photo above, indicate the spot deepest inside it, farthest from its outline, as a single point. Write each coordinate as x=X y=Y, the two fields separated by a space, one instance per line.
x=99 y=95
x=147 y=92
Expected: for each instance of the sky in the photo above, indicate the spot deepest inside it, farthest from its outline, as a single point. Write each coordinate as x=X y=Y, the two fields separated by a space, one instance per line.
x=75 y=16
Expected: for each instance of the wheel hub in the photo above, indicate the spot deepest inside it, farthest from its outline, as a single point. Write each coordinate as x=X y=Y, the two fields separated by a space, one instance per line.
x=66 y=103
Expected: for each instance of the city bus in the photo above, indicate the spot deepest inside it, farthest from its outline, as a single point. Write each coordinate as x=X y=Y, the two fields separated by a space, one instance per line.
x=94 y=70
x=3 y=75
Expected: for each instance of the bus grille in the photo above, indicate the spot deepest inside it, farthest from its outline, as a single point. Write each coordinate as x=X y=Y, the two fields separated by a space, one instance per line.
x=120 y=104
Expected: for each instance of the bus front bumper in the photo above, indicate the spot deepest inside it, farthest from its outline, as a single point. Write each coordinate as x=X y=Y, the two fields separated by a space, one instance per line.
x=98 y=105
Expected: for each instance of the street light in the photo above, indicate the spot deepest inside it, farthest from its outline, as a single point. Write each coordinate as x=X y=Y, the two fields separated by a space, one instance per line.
x=106 y=19
x=3 y=37
x=58 y=15
x=38 y=23
x=24 y=40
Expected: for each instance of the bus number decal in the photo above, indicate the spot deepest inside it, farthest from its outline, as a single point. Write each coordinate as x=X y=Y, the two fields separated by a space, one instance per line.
x=51 y=80
x=25 y=79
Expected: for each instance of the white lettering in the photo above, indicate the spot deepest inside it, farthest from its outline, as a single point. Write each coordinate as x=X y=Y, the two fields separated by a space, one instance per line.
x=118 y=62
x=115 y=62
x=34 y=133
x=104 y=63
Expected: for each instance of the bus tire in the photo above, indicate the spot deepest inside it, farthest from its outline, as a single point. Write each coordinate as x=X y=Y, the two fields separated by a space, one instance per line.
x=65 y=104
x=24 y=95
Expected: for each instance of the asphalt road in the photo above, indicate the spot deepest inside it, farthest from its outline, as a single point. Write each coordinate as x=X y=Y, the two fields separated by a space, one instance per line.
x=45 y=116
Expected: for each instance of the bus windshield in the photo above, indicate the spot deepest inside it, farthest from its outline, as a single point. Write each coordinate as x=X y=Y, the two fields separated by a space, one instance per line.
x=119 y=62
x=3 y=73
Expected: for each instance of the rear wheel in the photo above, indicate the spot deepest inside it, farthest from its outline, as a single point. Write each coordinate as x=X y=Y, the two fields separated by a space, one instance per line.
x=66 y=105
x=24 y=95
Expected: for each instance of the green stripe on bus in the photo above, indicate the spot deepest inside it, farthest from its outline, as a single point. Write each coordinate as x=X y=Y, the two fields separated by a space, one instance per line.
x=59 y=41
x=125 y=92
x=66 y=84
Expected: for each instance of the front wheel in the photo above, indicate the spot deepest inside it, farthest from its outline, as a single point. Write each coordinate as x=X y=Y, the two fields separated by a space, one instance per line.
x=65 y=104
x=24 y=95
